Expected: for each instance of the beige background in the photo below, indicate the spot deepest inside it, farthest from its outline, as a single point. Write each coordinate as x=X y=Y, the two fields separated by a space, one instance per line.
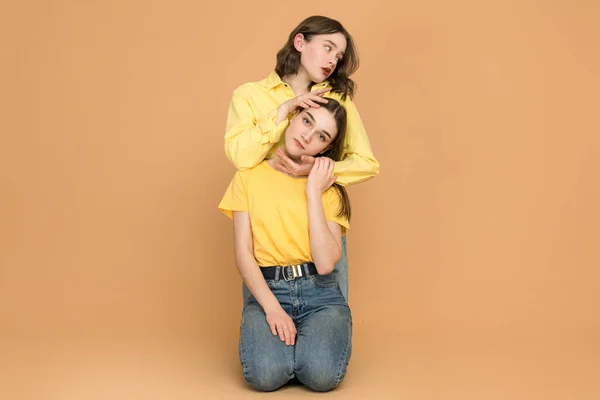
x=473 y=256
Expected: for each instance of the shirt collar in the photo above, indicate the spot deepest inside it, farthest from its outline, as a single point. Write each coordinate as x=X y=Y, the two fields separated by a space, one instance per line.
x=274 y=80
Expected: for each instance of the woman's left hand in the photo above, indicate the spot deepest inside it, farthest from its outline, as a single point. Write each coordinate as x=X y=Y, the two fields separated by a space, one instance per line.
x=321 y=176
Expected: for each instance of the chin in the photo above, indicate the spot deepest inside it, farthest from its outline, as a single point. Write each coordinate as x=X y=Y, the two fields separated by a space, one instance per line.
x=318 y=78
x=293 y=154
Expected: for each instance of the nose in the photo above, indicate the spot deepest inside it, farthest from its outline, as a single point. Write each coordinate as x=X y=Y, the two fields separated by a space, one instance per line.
x=306 y=138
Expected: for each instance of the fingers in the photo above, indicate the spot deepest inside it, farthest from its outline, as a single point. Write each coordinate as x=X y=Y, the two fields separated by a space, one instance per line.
x=287 y=332
x=281 y=332
x=312 y=99
x=325 y=164
x=312 y=104
x=320 y=99
x=323 y=169
x=316 y=166
x=280 y=167
x=307 y=159
x=282 y=325
x=294 y=332
x=288 y=335
x=321 y=162
x=287 y=162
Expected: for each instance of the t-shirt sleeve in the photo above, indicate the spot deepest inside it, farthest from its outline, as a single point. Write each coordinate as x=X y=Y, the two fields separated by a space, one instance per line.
x=332 y=205
x=236 y=196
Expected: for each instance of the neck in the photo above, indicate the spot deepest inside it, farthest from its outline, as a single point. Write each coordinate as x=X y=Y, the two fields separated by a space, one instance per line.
x=298 y=82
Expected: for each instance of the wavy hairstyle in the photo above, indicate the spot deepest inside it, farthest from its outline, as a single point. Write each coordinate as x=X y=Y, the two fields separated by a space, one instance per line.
x=288 y=58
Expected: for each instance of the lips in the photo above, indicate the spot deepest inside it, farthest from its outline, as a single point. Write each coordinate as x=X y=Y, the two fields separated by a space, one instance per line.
x=299 y=144
x=326 y=71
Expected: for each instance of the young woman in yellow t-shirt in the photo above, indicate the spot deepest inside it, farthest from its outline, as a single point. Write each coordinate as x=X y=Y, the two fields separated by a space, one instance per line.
x=288 y=238
x=317 y=61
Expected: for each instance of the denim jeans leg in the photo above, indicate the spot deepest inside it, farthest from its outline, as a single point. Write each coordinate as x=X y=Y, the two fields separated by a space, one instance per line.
x=341 y=270
x=267 y=363
x=245 y=294
x=324 y=347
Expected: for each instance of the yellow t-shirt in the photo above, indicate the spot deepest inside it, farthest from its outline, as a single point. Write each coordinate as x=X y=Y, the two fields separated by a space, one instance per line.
x=278 y=211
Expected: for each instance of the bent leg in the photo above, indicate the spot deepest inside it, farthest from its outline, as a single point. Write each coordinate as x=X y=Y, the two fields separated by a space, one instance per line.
x=323 y=347
x=267 y=363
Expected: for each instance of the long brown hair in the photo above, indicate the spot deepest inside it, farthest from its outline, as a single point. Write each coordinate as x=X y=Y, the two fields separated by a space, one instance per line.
x=288 y=58
x=336 y=151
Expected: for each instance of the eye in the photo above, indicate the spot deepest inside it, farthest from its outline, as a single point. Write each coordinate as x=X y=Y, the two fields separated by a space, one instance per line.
x=306 y=121
x=328 y=48
x=322 y=137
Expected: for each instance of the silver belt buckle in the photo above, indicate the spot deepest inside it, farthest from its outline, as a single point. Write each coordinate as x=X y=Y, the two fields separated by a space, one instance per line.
x=296 y=272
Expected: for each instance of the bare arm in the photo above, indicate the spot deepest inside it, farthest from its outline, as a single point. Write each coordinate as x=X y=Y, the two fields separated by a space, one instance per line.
x=278 y=320
x=325 y=236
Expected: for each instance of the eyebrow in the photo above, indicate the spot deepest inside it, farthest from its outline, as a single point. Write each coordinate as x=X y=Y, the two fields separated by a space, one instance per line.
x=322 y=130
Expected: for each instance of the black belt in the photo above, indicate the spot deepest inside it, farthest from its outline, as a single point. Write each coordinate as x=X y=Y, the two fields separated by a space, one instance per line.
x=289 y=272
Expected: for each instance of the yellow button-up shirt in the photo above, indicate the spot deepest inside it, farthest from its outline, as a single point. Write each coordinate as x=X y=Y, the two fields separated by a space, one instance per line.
x=252 y=135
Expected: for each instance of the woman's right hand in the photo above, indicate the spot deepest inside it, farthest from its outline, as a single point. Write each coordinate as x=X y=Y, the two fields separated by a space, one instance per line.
x=306 y=100
x=281 y=324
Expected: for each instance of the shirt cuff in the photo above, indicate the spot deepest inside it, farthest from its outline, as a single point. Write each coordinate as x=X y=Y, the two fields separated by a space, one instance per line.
x=271 y=132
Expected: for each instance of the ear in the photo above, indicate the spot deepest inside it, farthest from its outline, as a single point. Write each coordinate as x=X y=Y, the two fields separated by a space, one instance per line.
x=299 y=42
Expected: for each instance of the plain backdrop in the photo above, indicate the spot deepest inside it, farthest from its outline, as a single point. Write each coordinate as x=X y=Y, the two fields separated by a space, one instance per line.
x=473 y=255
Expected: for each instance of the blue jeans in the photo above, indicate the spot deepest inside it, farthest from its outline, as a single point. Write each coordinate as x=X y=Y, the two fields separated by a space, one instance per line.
x=323 y=343
x=340 y=272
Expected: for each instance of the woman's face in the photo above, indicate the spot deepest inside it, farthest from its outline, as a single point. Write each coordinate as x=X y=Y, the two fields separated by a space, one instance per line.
x=310 y=133
x=320 y=56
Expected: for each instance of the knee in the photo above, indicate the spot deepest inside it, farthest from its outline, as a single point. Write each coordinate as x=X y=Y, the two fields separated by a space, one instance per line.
x=265 y=376
x=321 y=373
x=320 y=381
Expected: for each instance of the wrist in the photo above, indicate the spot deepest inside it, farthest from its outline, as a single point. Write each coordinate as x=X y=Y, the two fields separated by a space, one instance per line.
x=313 y=194
x=284 y=108
x=271 y=306
x=282 y=113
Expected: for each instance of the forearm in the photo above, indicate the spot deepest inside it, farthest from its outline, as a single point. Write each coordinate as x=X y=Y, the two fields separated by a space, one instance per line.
x=358 y=163
x=254 y=280
x=250 y=137
x=325 y=250
x=247 y=147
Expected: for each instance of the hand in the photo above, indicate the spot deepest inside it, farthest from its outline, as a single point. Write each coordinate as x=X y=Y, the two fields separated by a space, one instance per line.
x=281 y=324
x=292 y=168
x=310 y=99
x=321 y=176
